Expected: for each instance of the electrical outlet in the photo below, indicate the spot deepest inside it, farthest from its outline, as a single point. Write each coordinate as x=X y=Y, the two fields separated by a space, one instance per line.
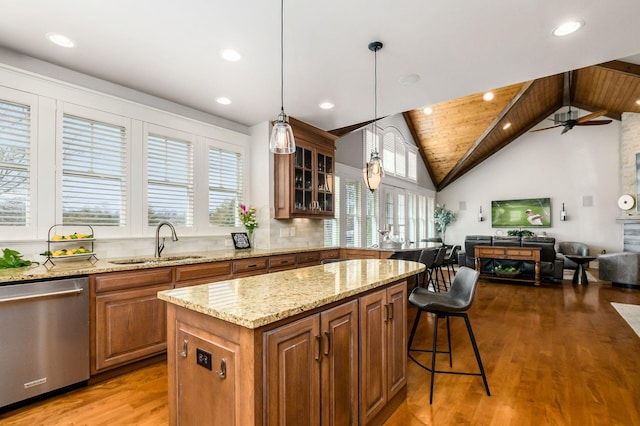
x=293 y=231
x=203 y=358
x=284 y=232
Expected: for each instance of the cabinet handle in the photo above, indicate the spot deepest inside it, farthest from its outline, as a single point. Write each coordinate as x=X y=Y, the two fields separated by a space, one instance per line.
x=183 y=352
x=328 y=347
x=390 y=310
x=223 y=369
x=319 y=341
x=386 y=312
x=252 y=266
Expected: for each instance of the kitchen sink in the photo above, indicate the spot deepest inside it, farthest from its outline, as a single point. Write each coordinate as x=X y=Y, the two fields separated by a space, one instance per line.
x=141 y=260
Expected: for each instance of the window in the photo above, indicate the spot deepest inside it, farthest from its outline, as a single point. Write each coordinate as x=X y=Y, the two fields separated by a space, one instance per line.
x=225 y=187
x=352 y=213
x=398 y=157
x=372 y=228
x=15 y=159
x=332 y=226
x=401 y=216
x=93 y=172
x=169 y=180
x=412 y=212
x=422 y=218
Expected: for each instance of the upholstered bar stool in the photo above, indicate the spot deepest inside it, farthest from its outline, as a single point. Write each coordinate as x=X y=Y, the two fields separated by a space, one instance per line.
x=453 y=303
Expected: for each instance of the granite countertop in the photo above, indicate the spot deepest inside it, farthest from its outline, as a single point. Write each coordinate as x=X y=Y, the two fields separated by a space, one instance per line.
x=257 y=301
x=71 y=267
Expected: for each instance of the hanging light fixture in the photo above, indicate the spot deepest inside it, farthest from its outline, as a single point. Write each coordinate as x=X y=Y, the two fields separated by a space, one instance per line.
x=373 y=172
x=282 y=141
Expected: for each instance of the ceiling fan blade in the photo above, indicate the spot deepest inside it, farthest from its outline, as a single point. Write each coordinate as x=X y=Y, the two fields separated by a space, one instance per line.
x=565 y=130
x=546 y=128
x=594 y=123
x=591 y=116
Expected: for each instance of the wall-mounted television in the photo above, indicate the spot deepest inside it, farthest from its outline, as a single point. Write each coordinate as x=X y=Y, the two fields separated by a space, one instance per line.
x=523 y=213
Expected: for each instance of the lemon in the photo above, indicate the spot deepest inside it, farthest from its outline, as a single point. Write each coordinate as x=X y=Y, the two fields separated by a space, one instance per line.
x=57 y=237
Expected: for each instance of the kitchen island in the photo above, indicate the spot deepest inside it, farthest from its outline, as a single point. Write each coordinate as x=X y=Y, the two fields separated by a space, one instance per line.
x=317 y=345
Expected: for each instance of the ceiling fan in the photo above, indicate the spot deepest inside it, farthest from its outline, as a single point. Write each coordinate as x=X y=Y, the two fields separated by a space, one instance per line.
x=570 y=123
x=587 y=120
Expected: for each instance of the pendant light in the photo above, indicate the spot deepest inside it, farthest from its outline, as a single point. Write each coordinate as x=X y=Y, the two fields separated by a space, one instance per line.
x=373 y=171
x=282 y=141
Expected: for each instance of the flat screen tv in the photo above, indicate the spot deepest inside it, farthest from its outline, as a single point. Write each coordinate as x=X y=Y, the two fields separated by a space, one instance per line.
x=524 y=213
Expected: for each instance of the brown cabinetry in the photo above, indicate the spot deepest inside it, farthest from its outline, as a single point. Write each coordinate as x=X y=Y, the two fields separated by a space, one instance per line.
x=129 y=321
x=383 y=344
x=249 y=267
x=304 y=180
x=206 y=372
x=282 y=262
x=312 y=369
x=201 y=273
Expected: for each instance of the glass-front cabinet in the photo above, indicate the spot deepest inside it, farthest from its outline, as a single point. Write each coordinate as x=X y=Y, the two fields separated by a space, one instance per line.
x=304 y=180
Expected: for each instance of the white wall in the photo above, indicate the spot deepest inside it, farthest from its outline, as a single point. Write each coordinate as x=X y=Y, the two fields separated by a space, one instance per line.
x=568 y=168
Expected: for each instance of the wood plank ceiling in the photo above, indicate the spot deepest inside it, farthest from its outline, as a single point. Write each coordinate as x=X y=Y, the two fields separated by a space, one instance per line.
x=462 y=133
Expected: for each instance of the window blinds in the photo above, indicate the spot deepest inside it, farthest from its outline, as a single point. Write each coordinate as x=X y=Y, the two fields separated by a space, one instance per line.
x=15 y=136
x=225 y=187
x=93 y=172
x=352 y=213
x=332 y=226
x=169 y=180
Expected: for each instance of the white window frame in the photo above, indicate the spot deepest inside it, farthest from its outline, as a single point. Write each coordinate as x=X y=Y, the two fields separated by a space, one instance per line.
x=178 y=135
x=96 y=115
x=30 y=230
x=201 y=215
x=399 y=158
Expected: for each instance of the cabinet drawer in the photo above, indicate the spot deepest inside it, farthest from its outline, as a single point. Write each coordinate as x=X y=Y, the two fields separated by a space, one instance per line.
x=282 y=262
x=258 y=264
x=131 y=279
x=311 y=257
x=215 y=270
x=330 y=254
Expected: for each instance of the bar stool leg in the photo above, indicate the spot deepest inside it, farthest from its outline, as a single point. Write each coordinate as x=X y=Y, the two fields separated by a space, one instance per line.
x=433 y=354
x=475 y=349
x=414 y=328
x=449 y=340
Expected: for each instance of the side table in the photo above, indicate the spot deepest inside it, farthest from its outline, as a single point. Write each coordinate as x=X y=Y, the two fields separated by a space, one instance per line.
x=580 y=276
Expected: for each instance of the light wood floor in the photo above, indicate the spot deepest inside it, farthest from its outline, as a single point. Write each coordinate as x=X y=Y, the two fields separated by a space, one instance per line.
x=554 y=355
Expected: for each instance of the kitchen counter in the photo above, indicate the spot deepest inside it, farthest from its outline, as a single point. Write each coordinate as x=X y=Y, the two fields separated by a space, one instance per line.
x=71 y=267
x=287 y=293
x=290 y=345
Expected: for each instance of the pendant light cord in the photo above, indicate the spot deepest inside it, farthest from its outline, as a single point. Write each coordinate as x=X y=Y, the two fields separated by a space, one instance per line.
x=282 y=56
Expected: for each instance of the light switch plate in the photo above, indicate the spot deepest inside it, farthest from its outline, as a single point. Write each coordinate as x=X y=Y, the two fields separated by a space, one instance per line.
x=284 y=232
x=293 y=231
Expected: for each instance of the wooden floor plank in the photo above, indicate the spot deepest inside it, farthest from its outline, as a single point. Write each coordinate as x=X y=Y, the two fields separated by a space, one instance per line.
x=554 y=355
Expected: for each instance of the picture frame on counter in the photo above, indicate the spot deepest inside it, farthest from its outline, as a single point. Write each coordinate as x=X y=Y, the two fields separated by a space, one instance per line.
x=240 y=240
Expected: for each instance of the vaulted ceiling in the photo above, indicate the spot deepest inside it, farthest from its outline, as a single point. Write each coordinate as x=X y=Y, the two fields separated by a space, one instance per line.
x=459 y=134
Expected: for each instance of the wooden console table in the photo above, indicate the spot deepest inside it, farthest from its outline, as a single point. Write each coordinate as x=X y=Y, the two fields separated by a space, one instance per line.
x=511 y=253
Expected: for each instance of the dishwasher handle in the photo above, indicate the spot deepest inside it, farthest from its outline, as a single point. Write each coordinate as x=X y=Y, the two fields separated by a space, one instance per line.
x=42 y=295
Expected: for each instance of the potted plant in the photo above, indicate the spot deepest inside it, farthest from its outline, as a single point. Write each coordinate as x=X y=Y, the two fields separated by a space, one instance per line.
x=443 y=218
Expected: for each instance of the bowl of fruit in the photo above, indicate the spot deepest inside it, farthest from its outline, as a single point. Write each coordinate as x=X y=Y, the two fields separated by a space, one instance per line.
x=506 y=272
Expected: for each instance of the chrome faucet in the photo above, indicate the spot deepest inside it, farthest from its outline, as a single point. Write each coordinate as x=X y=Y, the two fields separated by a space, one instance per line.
x=160 y=245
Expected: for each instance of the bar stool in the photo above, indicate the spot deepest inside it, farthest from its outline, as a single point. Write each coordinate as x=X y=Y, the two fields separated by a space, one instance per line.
x=427 y=258
x=451 y=260
x=437 y=268
x=454 y=303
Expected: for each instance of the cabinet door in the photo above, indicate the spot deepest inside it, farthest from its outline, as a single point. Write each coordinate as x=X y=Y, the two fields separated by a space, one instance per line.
x=373 y=355
x=397 y=338
x=304 y=180
x=339 y=367
x=292 y=368
x=324 y=183
x=130 y=325
x=206 y=379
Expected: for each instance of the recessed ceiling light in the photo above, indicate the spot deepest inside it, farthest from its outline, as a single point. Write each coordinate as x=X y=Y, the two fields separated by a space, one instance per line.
x=638 y=101
x=230 y=55
x=409 y=79
x=223 y=101
x=567 y=28
x=428 y=110
x=506 y=126
x=326 y=105
x=488 y=96
x=60 y=40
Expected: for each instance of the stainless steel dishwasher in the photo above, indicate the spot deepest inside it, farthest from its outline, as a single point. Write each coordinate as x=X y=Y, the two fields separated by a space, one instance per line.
x=44 y=337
